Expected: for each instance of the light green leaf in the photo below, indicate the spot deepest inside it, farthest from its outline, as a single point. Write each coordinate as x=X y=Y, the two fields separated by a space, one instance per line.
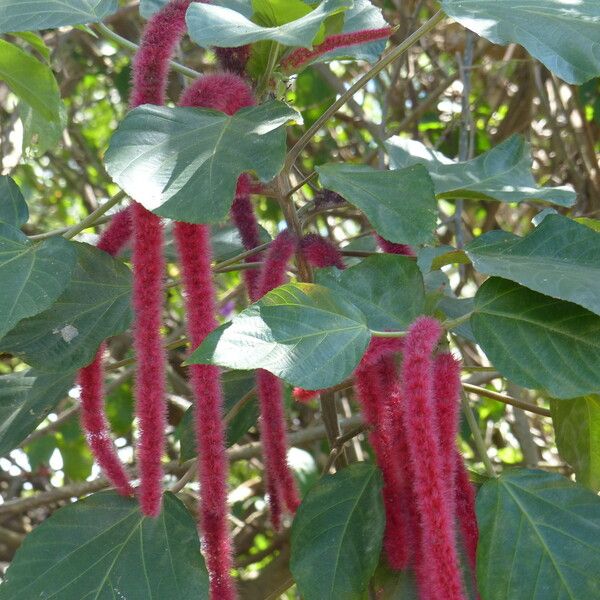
x=94 y=306
x=304 y=333
x=337 y=535
x=211 y=25
x=183 y=163
x=562 y=34
x=25 y=400
x=30 y=79
x=103 y=547
x=577 y=428
x=559 y=258
x=13 y=208
x=32 y=15
x=39 y=134
x=537 y=341
x=388 y=289
x=32 y=275
x=539 y=538
x=399 y=204
x=503 y=173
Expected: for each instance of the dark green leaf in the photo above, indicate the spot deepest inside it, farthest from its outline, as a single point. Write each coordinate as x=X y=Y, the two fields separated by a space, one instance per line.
x=183 y=163
x=94 y=306
x=25 y=400
x=32 y=275
x=102 y=547
x=13 y=208
x=18 y=15
x=577 y=429
x=337 y=535
x=562 y=34
x=304 y=333
x=388 y=289
x=539 y=538
x=211 y=25
x=559 y=258
x=537 y=341
x=399 y=204
x=503 y=173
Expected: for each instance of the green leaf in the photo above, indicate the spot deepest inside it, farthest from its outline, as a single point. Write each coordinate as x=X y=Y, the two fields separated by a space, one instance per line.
x=211 y=25
x=183 y=163
x=26 y=398
x=304 y=333
x=562 y=34
x=32 y=275
x=559 y=258
x=103 y=547
x=236 y=384
x=39 y=134
x=337 y=535
x=399 y=204
x=13 y=208
x=537 y=341
x=502 y=174
x=30 y=79
x=17 y=15
x=577 y=428
x=388 y=289
x=539 y=538
x=94 y=306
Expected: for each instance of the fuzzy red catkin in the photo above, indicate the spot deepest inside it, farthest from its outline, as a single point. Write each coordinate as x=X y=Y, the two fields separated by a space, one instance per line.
x=319 y=252
x=393 y=248
x=438 y=571
x=150 y=73
x=234 y=59
x=465 y=511
x=341 y=40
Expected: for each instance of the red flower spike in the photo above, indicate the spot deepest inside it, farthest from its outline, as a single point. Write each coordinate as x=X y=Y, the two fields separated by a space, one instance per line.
x=301 y=56
x=275 y=267
x=393 y=248
x=234 y=59
x=379 y=348
x=437 y=543
x=117 y=234
x=465 y=511
x=320 y=252
x=225 y=92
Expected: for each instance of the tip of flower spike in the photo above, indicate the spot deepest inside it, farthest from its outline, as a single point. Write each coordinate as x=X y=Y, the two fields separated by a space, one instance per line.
x=225 y=92
x=302 y=395
x=424 y=334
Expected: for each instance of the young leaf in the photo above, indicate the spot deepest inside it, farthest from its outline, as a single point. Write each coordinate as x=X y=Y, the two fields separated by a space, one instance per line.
x=399 y=204
x=537 y=341
x=33 y=275
x=304 y=333
x=539 y=538
x=16 y=15
x=25 y=400
x=388 y=289
x=183 y=163
x=13 y=208
x=94 y=306
x=337 y=535
x=577 y=428
x=503 y=173
x=211 y=25
x=562 y=34
x=559 y=258
x=103 y=547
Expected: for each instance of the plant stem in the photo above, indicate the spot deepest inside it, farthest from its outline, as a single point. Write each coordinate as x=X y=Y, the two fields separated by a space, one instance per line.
x=379 y=66
x=452 y=323
x=388 y=334
x=477 y=437
x=480 y=391
x=93 y=217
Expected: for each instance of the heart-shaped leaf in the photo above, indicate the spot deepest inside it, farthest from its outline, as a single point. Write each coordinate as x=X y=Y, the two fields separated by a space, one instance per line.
x=539 y=538
x=304 y=333
x=562 y=34
x=399 y=204
x=183 y=163
x=13 y=208
x=17 y=15
x=25 y=400
x=103 y=547
x=577 y=430
x=32 y=275
x=224 y=27
x=537 y=341
x=559 y=258
x=388 y=289
x=503 y=173
x=94 y=306
x=337 y=535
